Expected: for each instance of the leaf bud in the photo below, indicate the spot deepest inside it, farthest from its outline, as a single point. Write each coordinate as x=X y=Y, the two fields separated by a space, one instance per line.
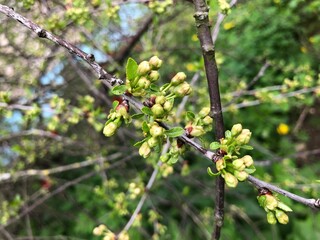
x=144 y=150
x=156 y=131
x=271 y=218
x=220 y=164
x=244 y=137
x=143 y=68
x=204 y=112
x=158 y=111
x=155 y=63
x=183 y=89
x=238 y=164
x=110 y=129
x=179 y=78
x=247 y=160
x=230 y=180
x=154 y=76
x=282 y=216
x=236 y=129
x=241 y=175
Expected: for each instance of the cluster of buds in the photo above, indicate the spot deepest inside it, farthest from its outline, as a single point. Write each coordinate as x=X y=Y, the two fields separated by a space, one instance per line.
x=160 y=6
x=176 y=149
x=154 y=137
x=178 y=86
x=276 y=210
x=160 y=105
x=199 y=124
x=147 y=73
x=118 y=114
x=232 y=168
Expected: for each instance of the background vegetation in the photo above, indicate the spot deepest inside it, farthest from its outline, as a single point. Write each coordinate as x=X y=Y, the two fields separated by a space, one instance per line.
x=53 y=109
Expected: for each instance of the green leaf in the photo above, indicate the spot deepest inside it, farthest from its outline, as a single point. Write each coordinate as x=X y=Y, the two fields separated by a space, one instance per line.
x=250 y=169
x=174 y=132
x=115 y=104
x=173 y=159
x=228 y=134
x=212 y=174
x=137 y=116
x=138 y=144
x=190 y=115
x=145 y=127
x=154 y=87
x=131 y=69
x=247 y=147
x=147 y=111
x=119 y=90
x=215 y=145
x=318 y=181
x=284 y=207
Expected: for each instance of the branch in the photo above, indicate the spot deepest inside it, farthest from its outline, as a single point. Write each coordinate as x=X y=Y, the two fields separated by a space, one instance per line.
x=312 y=203
x=45 y=172
x=207 y=45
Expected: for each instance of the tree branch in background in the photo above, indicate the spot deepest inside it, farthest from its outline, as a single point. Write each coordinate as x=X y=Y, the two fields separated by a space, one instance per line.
x=208 y=51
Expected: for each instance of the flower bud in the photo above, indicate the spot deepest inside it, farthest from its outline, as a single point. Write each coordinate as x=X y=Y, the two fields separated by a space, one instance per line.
x=156 y=131
x=282 y=216
x=238 y=164
x=271 y=202
x=197 y=131
x=178 y=78
x=236 y=129
x=152 y=142
x=231 y=180
x=143 y=68
x=158 y=111
x=183 y=89
x=241 y=175
x=247 y=160
x=143 y=83
x=154 y=76
x=207 y=120
x=122 y=111
x=220 y=164
x=161 y=99
x=144 y=150
x=98 y=231
x=165 y=158
x=168 y=105
x=155 y=63
x=204 y=112
x=244 y=137
x=271 y=218
x=110 y=129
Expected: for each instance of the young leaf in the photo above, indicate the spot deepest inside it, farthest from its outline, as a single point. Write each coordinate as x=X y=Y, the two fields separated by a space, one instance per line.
x=247 y=147
x=173 y=159
x=119 y=90
x=138 y=144
x=147 y=111
x=145 y=127
x=250 y=169
x=154 y=87
x=137 y=116
x=284 y=207
x=115 y=104
x=212 y=174
x=190 y=115
x=131 y=69
x=214 y=145
x=228 y=134
x=174 y=132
